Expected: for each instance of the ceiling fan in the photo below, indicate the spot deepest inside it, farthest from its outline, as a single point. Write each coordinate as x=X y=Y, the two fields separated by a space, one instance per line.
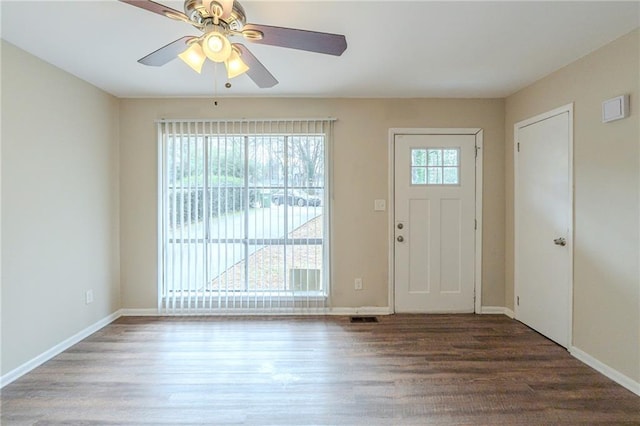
x=220 y=19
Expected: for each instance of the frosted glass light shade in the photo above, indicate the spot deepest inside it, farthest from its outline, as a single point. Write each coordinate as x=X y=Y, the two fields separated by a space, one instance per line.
x=216 y=46
x=194 y=57
x=235 y=65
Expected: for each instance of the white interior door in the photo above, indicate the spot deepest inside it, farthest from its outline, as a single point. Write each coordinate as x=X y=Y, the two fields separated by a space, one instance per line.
x=434 y=223
x=543 y=224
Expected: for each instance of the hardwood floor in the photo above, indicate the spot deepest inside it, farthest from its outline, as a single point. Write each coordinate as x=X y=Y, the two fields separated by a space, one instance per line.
x=403 y=370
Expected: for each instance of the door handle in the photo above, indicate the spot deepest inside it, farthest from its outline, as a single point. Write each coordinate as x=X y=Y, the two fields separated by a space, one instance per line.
x=560 y=242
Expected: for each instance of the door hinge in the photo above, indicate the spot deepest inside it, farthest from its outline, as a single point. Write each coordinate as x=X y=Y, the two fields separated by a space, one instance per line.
x=518 y=146
x=475 y=225
x=476 y=151
x=518 y=300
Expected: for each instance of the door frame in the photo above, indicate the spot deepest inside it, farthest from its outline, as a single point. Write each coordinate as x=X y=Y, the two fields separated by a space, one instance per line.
x=570 y=220
x=478 y=133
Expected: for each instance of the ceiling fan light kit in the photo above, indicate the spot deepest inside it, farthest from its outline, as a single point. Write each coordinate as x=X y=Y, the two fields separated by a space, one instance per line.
x=221 y=19
x=194 y=57
x=216 y=46
x=235 y=65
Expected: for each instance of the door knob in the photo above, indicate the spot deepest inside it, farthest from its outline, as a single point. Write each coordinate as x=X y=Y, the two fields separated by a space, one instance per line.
x=400 y=238
x=560 y=241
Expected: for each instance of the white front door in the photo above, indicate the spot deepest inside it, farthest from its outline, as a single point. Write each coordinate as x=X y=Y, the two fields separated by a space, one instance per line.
x=543 y=211
x=434 y=223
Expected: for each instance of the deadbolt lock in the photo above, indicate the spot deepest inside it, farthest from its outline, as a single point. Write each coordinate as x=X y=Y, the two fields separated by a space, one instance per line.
x=560 y=242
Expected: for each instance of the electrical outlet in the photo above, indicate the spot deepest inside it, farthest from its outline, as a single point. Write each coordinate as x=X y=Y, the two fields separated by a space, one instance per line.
x=358 y=284
x=88 y=297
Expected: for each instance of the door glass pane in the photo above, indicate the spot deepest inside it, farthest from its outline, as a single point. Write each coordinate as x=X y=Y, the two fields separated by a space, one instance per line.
x=450 y=157
x=434 y=175
x=450 y=175
x=434 y=157
x=418 y=175
x=442 y=166
x=418 y=157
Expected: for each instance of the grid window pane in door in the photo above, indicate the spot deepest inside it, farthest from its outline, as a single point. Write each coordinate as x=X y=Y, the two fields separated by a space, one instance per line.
x=435 y=166
x=434 y=157
x=434 y=175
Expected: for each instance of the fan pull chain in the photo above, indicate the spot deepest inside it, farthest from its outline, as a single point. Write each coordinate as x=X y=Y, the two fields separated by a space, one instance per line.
x=215 y=84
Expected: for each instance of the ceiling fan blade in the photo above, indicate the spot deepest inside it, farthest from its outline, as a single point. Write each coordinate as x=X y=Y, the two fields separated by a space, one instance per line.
x=166 y=53
x=312 y=41
x=158 y=8
x=257 y=72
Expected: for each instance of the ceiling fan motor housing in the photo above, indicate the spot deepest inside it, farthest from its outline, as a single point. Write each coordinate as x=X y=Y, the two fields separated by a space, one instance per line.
x=200 y=12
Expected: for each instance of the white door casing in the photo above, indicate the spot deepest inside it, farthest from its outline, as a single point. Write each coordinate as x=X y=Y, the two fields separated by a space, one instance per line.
x=436 y=263
x=543 y=207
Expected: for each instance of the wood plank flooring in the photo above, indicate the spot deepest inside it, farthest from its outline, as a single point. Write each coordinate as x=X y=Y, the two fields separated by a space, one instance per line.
x=403 y=370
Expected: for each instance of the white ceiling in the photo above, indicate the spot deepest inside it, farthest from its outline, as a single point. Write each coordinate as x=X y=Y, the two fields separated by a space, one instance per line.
x=395 y=48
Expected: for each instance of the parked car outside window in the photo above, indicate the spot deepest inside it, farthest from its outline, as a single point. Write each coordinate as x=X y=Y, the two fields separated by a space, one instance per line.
x=295 y=198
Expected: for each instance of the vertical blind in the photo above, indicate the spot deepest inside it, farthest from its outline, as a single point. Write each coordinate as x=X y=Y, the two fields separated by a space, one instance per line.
x=243 y=216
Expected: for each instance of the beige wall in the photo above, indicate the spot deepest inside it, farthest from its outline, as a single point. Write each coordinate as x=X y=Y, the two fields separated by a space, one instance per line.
x=78 y=175
x=607 y=210
x=59 y=206
x=360 y=176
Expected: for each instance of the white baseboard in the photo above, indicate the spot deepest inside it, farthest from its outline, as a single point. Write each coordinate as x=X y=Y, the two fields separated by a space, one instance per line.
x=364 y=310
x=57 y=349
x=601 y=367
x=139 y=312
x=497 y=310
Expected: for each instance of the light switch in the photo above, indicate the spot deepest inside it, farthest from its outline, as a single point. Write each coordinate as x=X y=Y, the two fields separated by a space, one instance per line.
x=379 y=205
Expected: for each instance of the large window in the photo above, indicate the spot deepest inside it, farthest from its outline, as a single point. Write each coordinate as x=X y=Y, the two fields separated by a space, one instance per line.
x=243 y=215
